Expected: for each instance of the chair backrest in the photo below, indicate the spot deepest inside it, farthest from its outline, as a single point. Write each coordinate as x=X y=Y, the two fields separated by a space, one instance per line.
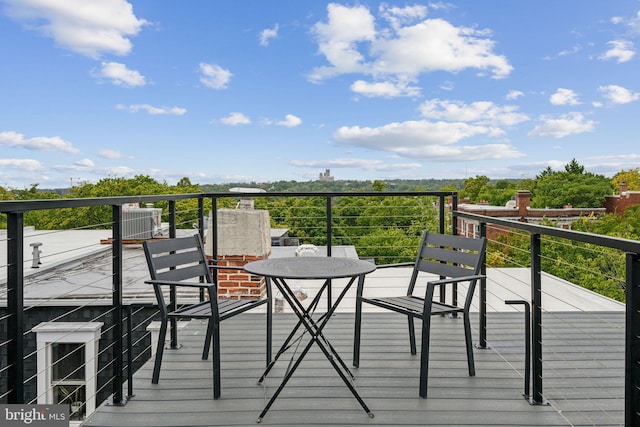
x=177 y=259
x=448 y=256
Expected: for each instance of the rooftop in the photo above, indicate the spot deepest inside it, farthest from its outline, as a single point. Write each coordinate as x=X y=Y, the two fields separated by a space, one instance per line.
x=584 y=378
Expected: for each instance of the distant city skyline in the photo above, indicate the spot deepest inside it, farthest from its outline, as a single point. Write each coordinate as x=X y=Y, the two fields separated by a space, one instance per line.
x=285 y=89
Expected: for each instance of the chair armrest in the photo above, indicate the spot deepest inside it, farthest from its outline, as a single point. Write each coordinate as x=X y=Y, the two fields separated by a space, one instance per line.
x=225 y=267
x=431 y=286
x=401 y=264
x=456 y=280
x=171 y=283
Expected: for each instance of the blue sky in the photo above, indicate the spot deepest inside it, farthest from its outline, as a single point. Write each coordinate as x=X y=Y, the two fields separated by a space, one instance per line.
x=258 y=90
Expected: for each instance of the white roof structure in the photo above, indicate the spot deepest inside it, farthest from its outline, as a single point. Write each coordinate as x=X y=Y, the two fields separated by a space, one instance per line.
x=77 y=266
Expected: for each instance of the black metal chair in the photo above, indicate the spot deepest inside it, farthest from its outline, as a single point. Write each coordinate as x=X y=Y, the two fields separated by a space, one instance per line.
x=455 y=259
x=182 y=262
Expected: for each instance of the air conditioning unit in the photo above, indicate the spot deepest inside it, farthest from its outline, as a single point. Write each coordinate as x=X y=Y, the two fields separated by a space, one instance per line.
x=141 y=223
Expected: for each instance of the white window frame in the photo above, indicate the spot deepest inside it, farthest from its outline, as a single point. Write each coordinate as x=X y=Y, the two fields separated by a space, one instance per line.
x=87 y=333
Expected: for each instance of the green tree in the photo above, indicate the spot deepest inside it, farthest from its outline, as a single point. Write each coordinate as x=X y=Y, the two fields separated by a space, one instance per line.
x=184 y=182
x=473 y=187
x=572 y=187
x=546 y=172
x=574 y=167
x=630 y=177
x=379 y=185
x=101 y=216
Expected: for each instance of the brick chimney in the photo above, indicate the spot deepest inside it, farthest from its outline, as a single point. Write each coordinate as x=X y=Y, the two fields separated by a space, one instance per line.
x=523 y=202
x=623 y=188
x=244 y=235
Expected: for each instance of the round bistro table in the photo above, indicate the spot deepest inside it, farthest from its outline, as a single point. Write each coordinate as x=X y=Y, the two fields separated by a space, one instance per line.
x=278 y=271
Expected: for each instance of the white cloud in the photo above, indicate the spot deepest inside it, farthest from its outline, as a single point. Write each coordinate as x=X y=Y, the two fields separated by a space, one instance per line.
x=134 y=108
x=448 y=86
x=574 y=49
x=480 y=112
x=564 y=97
x=535 y=167
x=235 y=119
x=116 y=171
x=290 y=121
x=386 y=89
x=268 y=34
x=85 y=164
x=611 y=164
x=22 y=164
x=91 y=28
x=425 y=140
x=39 y=143
x=337 y=39
x=120 y=75
x=514 y=94
x=618 y=94
x=633 y=22
x=621 y=51
x=565 y=125
x=436 y=45
x=398 y=16
x=353 y=42
x=214 y=76
x=110 y=154
x=365 y=164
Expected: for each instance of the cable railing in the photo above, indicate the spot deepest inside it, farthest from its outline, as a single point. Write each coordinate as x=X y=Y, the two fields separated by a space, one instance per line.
x=102 y=281
x=580 y=376
x=92 y=275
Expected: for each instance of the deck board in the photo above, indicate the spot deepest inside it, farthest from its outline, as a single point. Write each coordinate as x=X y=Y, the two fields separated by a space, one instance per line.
x=583 y=377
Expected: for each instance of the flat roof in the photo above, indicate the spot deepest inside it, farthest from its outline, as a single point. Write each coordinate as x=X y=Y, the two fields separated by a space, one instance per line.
x=77 y=269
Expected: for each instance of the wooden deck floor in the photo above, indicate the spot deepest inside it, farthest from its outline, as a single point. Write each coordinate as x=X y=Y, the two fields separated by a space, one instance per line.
x=583 y=377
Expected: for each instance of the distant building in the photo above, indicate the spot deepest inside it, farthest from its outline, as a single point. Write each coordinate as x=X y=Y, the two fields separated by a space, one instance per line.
x=326 y=176
x=619 y=203
x=520 y=209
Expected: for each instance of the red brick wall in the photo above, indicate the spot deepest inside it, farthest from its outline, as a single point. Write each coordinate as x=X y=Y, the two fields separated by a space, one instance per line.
x=239 y=284
x=619 y=204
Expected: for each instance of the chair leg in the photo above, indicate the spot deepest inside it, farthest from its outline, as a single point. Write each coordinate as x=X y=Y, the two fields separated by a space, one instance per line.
x=269 y=332
x=356 y=333
x=412 y=335
x=162 y=336
x=216 y=359
x=207 y=340
x=467 y=337
x=424 y=356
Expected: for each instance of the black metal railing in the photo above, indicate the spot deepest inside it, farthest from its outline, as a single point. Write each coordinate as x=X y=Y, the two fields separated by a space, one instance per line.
x=335 y=226
x=632 y=293
x=332 y=228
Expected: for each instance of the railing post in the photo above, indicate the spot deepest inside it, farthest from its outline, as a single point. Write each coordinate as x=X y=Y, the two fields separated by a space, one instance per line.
x=536 y=319
x=632 y=342
x=329 y=221
x=15 y=305
x=172 y=292
x=214 y=234
x=454 y=232
x=442 y=227
x=329 y=237
x=483 y=296
x=201 y=232
x=118 y=327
